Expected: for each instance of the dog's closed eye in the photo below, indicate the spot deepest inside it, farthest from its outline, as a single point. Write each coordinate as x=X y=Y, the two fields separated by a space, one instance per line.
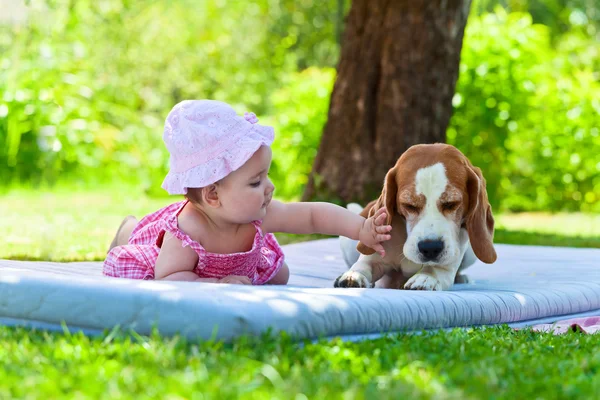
x=411 y=208
x=450 y=205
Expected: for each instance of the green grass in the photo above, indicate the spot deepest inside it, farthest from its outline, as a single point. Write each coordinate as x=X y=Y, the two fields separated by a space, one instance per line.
x=65 y=226
x=543 y=229
x=476 y=364
x=493 y=363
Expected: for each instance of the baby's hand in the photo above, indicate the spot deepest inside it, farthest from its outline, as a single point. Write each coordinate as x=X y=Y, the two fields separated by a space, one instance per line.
x=373 y=232
x=235 y=280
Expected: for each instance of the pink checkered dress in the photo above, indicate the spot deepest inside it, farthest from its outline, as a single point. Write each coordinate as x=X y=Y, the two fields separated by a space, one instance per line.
x=136 y=260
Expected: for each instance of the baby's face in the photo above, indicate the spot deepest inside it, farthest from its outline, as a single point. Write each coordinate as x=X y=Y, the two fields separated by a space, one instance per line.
x=246 y=193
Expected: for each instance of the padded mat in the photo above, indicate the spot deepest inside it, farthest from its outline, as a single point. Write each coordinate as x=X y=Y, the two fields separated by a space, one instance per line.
x=527 y=285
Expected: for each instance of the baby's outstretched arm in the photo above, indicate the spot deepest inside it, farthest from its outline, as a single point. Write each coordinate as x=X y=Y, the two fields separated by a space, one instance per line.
x=327 y=219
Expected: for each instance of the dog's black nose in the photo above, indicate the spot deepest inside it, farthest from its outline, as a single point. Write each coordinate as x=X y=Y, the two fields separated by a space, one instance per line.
x=430 y=249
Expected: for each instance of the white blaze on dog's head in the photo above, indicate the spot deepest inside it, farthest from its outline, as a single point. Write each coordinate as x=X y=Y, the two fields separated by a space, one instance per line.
x=431 y=182
x=433 y=231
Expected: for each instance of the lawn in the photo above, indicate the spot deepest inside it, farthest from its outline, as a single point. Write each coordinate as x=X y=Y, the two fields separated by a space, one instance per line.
x=491 y=363
x=65 y=226
x=481 y=363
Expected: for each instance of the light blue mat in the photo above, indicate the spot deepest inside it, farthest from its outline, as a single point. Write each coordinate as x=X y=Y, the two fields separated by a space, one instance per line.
x=527 y=285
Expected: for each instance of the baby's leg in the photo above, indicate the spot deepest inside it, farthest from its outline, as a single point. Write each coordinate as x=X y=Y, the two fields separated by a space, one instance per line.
x=124 y=232
x=281 y=277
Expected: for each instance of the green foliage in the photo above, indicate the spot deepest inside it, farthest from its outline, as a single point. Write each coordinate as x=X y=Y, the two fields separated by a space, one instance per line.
x=528 y=114
x=460 y=364
x=300 y=111
x=85 y=87
x=560 y=16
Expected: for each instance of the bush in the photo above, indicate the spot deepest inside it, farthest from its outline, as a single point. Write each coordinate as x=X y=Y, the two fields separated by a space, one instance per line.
x=528 y=114
x=300 y=111
x=85 y=86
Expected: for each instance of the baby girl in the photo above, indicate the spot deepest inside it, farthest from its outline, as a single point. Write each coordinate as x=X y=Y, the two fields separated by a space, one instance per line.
x=223 y=231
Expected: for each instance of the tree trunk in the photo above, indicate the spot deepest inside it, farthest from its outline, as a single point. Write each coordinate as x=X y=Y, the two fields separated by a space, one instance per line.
x=396 y=78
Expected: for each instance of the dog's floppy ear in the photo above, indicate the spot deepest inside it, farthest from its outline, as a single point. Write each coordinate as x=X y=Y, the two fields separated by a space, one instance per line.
x=479 y=218
x=387 y=199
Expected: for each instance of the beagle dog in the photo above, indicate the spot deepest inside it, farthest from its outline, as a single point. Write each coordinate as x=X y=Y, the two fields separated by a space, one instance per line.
x=437 y=204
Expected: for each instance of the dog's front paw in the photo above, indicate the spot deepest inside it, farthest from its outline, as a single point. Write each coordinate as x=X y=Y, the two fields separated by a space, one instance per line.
x=423 y=282
x=352 y=279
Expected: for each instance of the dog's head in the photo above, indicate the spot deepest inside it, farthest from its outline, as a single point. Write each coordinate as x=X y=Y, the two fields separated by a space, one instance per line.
x=437 y=190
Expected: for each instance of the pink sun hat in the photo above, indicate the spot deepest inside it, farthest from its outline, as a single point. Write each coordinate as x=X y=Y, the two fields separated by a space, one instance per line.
x=207 y=141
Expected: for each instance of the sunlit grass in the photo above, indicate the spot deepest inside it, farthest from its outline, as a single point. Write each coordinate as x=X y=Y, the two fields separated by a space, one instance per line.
x=493 y=363
x=67 y=226
x=566 y=224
